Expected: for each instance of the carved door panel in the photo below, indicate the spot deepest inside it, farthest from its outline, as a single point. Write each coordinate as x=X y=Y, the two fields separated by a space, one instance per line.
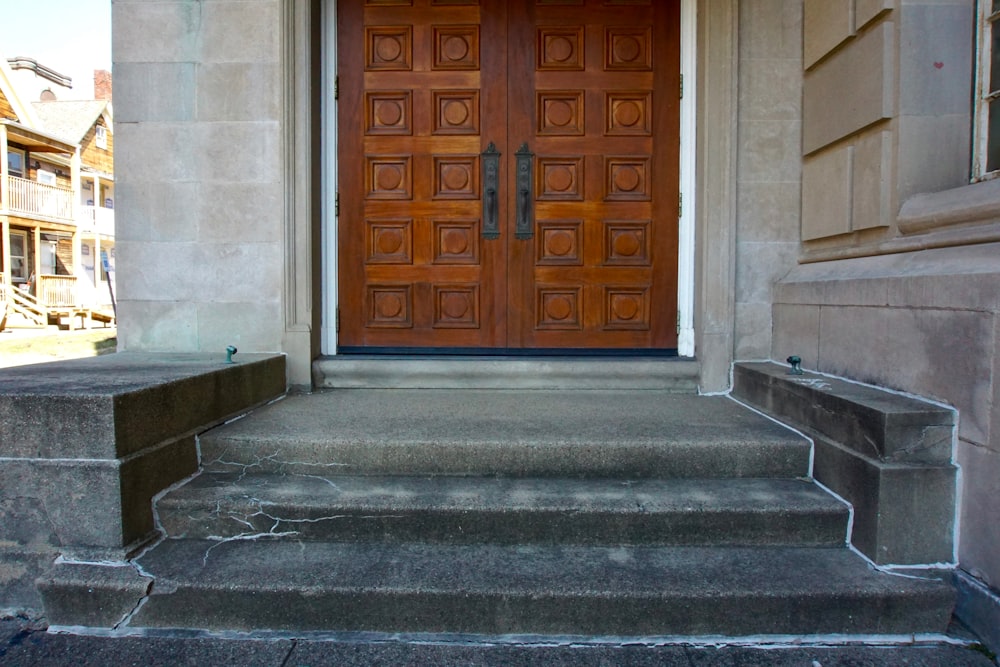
x=419 y=101
x=567 y=239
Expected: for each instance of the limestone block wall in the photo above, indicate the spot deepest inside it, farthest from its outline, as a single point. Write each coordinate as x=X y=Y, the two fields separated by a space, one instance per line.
x=886 y=107
x=199 y=174
x=899 y=277
x=768 y=164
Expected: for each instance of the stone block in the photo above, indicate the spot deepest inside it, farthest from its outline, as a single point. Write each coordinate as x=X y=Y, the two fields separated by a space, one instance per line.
x=769 y=151
x=903 y=514
x=240 y=31
x=158 y=212
x=157 y=32
x=935 y=61
x=113 y=406
x=826 y=194
x=851 y=90
x=160 y=326
x=770 y=29
x=978 y=607
x=258 y=144
x=795 y=332
x=230 y=212
x=238 y=91
x=826 y=24
x=871 y=181
x=865 y=11
x=920 y=141
x=753 y=330
x=929 y=352
x=770 y=89
x=155 y=92
x=172 y=143
x=769 y=211
x=91 y=595
x=888 y=455
x=884 y=426
x=979 y=549
x=240 y=324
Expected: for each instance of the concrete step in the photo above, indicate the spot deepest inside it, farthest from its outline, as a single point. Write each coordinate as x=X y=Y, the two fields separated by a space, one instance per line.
x=672 y=374
x=247 y=585
x=599 y=433
x=467 y=510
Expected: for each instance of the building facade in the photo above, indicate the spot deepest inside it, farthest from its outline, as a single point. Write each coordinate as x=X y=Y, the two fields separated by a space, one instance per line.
x=727 y=180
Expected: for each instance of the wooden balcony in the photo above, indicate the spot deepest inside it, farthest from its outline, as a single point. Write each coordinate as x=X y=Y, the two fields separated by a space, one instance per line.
x=37 y=200
x=96 y=220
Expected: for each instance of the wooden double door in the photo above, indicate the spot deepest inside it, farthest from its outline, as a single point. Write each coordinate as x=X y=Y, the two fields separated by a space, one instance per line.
x=508 y=174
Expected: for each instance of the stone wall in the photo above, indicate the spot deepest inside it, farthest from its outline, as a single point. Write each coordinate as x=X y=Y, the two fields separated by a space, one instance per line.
x=199 y=175
x=768 y=166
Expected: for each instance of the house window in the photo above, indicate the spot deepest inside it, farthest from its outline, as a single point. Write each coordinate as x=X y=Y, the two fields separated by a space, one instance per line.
x=986 y=155
x=18 y=256
x=101 y=137
x=15 y=162
x=45 y=177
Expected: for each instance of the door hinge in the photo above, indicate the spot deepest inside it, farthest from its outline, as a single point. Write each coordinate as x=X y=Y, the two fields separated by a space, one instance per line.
x=682 y=86
x=678 y=322
x=336 y=323
x=336 y=205
x=336 y=87
x=680 y=204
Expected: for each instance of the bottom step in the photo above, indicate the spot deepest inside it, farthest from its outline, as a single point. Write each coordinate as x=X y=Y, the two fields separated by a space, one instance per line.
x=254 y=585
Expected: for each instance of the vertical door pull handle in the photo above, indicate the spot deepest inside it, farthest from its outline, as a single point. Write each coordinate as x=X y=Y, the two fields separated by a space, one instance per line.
x=524 y=228
x=491 y=177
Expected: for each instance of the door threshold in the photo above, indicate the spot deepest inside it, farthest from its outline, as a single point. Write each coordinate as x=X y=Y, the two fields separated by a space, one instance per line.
x=503 y=353
x=491 y=371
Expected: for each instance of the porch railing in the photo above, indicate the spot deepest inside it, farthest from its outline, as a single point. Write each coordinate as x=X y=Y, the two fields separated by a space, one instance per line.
x=31 y=198
x=96 y=219
x=16 y=301
x=57 y=291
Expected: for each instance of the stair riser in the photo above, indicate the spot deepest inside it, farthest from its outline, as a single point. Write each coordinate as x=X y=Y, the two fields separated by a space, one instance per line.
x=513 y=459
x=505 y=613
x=348 y=524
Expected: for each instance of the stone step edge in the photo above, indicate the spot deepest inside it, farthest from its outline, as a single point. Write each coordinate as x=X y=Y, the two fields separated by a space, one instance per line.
x=573 y=373
x=474 y=510
x=239 y=585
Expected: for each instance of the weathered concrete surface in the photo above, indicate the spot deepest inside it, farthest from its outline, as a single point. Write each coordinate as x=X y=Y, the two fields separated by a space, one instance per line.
x=85 y=444
x=462 y=510
x=876 y=423
x=92 y=595
x=888 y=455
x=114 y=405
x=283 y=585
x=22 y=645
x=552 y=373
x=531 y=433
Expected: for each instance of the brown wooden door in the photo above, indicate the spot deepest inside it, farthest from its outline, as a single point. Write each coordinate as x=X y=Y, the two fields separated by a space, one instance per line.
x=585 y=254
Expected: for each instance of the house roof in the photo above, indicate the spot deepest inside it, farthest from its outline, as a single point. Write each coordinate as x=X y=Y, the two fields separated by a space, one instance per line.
x=70 y=119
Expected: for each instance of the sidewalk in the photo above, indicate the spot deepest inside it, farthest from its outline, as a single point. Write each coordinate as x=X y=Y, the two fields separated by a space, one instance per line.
x=19 y=347
x=21 y=646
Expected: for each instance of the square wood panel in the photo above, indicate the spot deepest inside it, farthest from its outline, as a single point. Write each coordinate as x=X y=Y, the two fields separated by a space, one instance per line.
x=626 y=308
x=389 y=112
x=627 y=243
x=390 y=306
x=456 y=306
x=559 y=178
x=628 y=49
x=560 y=48
x=628 y=113
x=390 y=241
x=389 y=177
x=456 y=177
x=559 y=242
x=626 y=178
x=456 y=47
x=558 y=307
x=560 y=112
x=389 y=48
x=456 y=112
x=456 y=241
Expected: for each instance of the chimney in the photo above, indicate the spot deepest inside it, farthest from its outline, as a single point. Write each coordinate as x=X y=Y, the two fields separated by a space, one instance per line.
x=102 y=84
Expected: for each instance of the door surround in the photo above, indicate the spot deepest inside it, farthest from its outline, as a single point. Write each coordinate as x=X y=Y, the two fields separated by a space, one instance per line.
x=708 y=168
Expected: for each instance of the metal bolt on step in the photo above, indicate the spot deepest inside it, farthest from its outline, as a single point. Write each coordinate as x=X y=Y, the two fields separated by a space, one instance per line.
x=230 y=351
x=796 y=363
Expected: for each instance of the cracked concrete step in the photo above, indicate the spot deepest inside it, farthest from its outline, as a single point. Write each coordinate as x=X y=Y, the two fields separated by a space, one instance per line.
x=608 y=434
x=275 y=585
x=463 y=510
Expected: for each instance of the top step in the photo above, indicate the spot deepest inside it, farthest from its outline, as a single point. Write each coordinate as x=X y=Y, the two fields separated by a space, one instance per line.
x=673 y=374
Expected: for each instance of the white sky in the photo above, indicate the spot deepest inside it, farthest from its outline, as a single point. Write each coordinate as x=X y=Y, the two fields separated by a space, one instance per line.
x=73 y=37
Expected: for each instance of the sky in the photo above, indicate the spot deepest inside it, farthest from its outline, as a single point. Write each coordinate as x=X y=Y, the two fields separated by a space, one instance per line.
x=73 y=37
